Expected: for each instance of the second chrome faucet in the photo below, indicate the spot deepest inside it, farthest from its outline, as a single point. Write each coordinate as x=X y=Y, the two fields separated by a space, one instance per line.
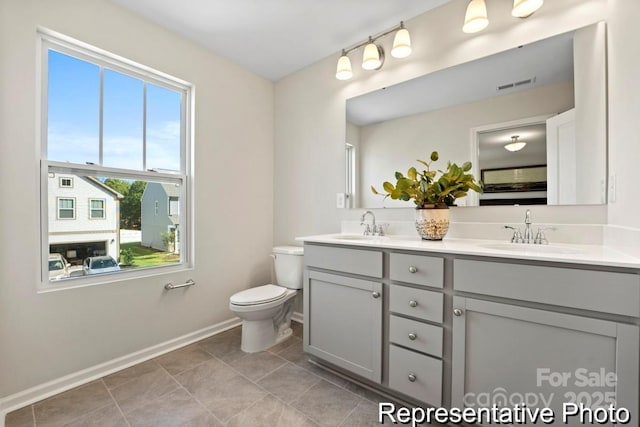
x=372 y=229
x=539 y=239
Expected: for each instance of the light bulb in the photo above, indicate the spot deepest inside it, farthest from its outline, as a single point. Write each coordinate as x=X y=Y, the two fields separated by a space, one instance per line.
x=401 y=44
x=343 y=70
x=476 y=17
x=524 y=8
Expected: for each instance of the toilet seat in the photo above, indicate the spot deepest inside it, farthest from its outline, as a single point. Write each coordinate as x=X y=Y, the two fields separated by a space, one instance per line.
x=258 y=295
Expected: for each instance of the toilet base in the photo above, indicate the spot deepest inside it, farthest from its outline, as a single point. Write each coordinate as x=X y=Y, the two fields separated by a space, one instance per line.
x=260 y=335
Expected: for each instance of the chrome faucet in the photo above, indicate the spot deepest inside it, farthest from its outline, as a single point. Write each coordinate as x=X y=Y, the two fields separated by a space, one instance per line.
x=369 y=229
x=373 y=229
x=528 y=234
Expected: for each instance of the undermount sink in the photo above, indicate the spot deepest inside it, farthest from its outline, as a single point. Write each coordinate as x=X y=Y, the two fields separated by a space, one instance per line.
x=531 y=248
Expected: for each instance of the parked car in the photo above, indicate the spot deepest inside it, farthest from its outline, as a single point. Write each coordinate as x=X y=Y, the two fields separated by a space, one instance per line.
x=100 y=264
x=58 y=267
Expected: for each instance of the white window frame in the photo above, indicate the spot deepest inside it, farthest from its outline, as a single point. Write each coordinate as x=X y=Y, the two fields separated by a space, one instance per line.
x=62 y=178
x=104 y=209
x=48 y=39
x=58 y=217
x=350 y=173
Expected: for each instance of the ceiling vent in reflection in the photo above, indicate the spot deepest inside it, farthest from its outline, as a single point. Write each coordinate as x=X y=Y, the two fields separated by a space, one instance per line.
x=520 y=83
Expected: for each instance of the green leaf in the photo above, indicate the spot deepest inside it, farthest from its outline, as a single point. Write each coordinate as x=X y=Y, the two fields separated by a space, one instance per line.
x=423 y=162
x=373 y=190
x=466 y=166
x=388 y=187
x=434 y=156
x=399 y=175
x=412 y=173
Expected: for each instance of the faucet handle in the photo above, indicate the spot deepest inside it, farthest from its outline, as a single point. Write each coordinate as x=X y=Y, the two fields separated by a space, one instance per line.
x=367 y=229
x=517 y=235
x=541 y=238
x=379 y=229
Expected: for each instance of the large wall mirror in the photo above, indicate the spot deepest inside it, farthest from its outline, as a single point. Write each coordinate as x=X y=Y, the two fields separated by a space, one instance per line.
x=532 y=120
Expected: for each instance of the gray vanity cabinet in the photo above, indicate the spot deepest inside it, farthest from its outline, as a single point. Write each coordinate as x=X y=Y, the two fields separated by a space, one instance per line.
x=343 y=314
x=502 y=351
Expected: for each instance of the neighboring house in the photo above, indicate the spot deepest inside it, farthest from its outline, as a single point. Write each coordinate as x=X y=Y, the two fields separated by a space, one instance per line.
x=84 y=217
x=160 y=213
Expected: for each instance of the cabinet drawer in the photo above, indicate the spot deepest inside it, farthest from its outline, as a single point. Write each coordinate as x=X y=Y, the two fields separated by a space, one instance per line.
x=355 y=261
x=415 y=375
x=419 y=303
x=416 y=335
x=608 y=292
x=418 y=269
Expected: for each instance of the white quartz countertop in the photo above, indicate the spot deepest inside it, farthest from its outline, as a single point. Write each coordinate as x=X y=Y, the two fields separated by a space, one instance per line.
x=562 y=253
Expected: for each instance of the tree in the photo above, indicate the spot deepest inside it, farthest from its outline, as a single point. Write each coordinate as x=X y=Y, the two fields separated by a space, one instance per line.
x=130 y=205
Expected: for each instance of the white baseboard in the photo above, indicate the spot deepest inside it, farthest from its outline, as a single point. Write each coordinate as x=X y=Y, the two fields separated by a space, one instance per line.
x=59 y=385
x=297 y=317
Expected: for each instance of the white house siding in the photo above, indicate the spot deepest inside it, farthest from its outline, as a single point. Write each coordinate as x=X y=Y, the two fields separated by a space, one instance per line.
x=83 y=229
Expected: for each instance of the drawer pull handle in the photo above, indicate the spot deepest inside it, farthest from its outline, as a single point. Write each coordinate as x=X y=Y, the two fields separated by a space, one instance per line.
x=376 y=294
x=412 y=378
x=413 y=303
x=412 y=336
x=457 y=312
x=413 y=269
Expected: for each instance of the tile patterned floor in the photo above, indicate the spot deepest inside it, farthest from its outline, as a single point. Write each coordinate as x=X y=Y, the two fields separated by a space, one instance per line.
x=212 y=383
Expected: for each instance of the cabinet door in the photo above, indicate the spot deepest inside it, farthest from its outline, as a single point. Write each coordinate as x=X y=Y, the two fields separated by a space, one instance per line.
x=503 y=353
x=343 y=322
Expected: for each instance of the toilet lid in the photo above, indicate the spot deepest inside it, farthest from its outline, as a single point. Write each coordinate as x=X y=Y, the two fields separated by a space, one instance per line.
x=258 y=295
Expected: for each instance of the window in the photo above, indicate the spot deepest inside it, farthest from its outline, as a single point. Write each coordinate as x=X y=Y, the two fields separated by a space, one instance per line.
x=97 y=208
x=115 y=133
x=66 y=208
x=174 y=206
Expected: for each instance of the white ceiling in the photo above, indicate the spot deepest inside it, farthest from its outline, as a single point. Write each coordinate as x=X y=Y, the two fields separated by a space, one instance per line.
x=274 y=38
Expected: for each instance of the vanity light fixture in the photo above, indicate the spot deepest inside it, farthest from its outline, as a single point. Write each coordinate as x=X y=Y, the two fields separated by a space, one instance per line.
x=515 y=145
x=476 y=18
x=524 y=8
x=373 y=54
x=343 y=71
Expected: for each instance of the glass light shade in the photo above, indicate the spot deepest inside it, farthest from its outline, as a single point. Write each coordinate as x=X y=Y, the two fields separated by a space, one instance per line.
x=476 y=17
x=524 y=8
x=515 y=145
x=343 y=71
x=371 y=57
x=401 y=44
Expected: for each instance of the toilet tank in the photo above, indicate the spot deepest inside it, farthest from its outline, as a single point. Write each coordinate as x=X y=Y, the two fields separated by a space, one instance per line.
x=288 y=262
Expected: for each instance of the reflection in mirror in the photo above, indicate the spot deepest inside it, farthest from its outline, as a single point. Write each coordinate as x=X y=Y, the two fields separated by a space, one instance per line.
x=551 y=94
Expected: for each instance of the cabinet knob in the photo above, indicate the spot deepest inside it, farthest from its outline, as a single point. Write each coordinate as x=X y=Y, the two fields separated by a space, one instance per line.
x=457 y=312
x=413 y=269
x=376 y=294
x=413 y=303
x=412 y=378
x=412 y=336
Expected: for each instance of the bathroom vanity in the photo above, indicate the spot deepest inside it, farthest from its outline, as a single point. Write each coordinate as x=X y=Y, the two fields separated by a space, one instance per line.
x=464 y=323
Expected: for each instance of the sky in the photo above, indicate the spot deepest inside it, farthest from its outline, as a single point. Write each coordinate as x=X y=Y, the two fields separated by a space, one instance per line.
x=74 y=117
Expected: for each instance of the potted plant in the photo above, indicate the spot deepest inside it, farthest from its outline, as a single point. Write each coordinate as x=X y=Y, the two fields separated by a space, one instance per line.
x=431 y=194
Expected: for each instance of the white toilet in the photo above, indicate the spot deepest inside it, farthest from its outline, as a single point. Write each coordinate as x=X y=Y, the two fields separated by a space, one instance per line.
x=266 y=310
